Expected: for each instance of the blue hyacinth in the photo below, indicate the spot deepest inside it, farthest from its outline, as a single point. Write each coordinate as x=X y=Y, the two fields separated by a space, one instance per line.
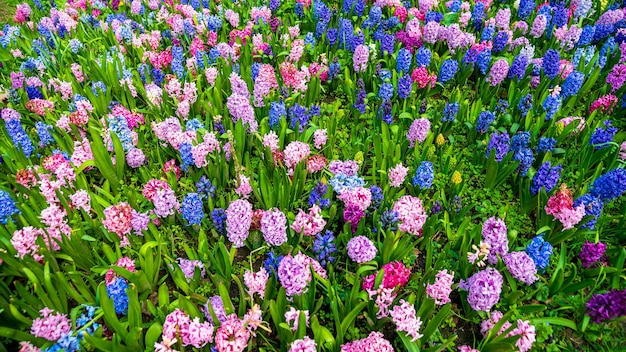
x=499 y=143
x=551 y=105
x=218 y=219
x=424 y=175
x=450 y=111
x=485 y=119
x=389 y=220
x=186 y=156
x=43 y=131
x=602 y=136
x=272 y=262
x=526 y=159
x=403 y=61
x=7 y=207
x=610 y=185
x=405 y=84
x=448 y=70
x=277 y=113
x=520 y=140
x=324 y=247
x=423 y=57
x=317 y=195
x=205 y=188
x=539 y=250
x=593 y=207
x=192 y=209
x=377 y=197
x=386 y=91
x=551 y=63
x=572 y=84
x=116 y=291
x=546 y=177
x=546 y=144
x=19 y=137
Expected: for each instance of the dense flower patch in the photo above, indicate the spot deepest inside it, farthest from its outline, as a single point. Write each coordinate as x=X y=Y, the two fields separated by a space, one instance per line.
x=313 y=175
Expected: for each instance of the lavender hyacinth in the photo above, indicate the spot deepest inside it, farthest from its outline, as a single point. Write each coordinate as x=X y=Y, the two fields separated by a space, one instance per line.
x=521 y=267
x=495 y=234
x=238 y=221
x=361 y=249
x=484 y=289
x=274 y=227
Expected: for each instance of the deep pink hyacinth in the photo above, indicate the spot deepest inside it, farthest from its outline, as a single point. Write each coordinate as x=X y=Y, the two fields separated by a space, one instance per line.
x=117 y=219
x=232 y=335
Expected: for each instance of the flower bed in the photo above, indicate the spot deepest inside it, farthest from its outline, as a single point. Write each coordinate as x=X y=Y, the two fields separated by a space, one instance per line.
x=313 y=176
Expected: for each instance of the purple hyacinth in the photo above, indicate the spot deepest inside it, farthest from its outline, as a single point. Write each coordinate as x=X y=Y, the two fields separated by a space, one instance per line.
x=607 y=306
x=591 y=253
x=499 y=143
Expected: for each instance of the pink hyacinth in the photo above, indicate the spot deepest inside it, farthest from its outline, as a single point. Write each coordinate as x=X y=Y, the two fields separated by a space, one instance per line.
x=292 y=318
x=305 y=344
x=495 y=234
x=360 y=197
x=561 y=206
x=25 y=242
x=256 y=282
x=360 y=57
x=320 y=138
x=244 y=189
x=526 y=333
x=296 y=152
x=123 y=262
x=403 y=316
x=28 y=347
x=375 y=342
x=441 y=289
x=51 y=326
x=316 y=163
x=397 y=175
x=310 y=223
x=605 y=103
x=270 y=140
x=294 y=273
x=411 y=214
x=422 y=78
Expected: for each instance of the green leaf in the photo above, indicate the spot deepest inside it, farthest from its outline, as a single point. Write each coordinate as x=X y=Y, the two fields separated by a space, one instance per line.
x=555 y=321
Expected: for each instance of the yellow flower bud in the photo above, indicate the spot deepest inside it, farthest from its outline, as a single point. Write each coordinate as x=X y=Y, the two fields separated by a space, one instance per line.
x=440 y=140
x=456 y=178
x=359 y=158
x=431 y=151
x=559 y=128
